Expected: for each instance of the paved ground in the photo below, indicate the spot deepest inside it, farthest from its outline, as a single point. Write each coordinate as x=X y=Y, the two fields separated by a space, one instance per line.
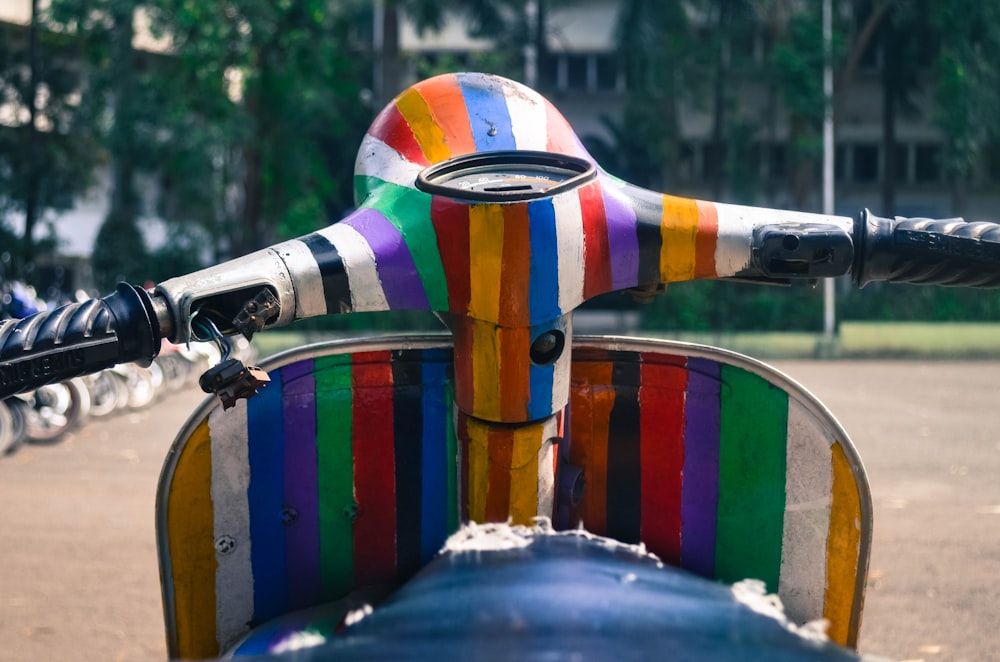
x=78 y=576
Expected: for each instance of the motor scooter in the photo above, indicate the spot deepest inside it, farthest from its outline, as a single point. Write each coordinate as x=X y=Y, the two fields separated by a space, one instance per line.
x=508 y=489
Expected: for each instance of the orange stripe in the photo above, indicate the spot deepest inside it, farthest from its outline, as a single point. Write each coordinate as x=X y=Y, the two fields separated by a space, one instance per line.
x=515 y=376
x=515 y=269
x=706 y=240
x=501 y=445
x=842 y=546
x=191 y=535
x=447 y=105
x=591 y=401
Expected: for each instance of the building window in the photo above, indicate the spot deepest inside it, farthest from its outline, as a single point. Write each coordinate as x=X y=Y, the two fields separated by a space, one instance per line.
x=576 y=72
x=839 y=163
x=865 y=170
x=927 y=163
x=902 y=163
x=777 y=162
x=607 y=72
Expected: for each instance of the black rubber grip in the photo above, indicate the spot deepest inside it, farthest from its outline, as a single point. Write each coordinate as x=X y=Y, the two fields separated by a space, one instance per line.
x=77 y=339
x=926 y=251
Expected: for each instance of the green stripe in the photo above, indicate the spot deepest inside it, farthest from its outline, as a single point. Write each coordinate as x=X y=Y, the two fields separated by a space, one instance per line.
x=454 y=507
x=335 y=474
x=753 y=432
x=408 y=209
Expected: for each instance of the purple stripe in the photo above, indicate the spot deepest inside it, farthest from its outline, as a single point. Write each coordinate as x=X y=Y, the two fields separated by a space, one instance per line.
x=396 y=269
x=623 y=240
x=300 y=510
x=700 y=489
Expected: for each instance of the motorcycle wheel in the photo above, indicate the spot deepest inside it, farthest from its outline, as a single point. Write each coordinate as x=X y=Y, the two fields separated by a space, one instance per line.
x=108 y=392
x=52 y=410
x=6 y=429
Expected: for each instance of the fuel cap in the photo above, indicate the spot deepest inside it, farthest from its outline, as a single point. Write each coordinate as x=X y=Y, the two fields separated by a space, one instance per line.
x=505 y=176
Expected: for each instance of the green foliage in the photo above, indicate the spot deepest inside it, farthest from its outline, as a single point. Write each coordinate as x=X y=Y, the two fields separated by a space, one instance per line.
x=276 y=115
x=55 y=163
x=119 y=253
x=968 y=80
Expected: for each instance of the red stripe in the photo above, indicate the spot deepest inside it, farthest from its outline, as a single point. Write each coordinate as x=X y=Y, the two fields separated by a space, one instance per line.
x=461 y=331
x=596 y=254
x=374 y=475
x=391 y=128
x=661 y=423
x=451 y=225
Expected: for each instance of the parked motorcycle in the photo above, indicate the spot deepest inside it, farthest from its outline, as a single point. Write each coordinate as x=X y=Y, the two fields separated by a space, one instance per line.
x=508 y=490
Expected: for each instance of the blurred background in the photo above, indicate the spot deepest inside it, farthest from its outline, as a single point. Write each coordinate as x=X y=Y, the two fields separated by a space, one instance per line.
x=144 y=139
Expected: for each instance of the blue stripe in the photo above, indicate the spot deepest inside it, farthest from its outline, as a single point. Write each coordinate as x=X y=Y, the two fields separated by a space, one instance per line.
x=434 y=491
x=543 y=293
x=540 y=402
x=266 y=438
x=488 y=113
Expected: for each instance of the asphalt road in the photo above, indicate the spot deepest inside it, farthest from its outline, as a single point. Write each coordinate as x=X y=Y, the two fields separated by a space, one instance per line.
x=78 y=574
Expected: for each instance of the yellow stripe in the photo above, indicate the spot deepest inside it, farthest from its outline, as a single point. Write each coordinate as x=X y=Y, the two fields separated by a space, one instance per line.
x=190 y=530
x=842 y=547
x=524 y=473
x=485 y=371
x=479 y=461
x=678 y=230
x=485 y=261
x=427 y=132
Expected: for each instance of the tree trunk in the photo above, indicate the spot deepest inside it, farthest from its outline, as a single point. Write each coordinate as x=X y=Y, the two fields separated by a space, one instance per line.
x=31 y=189
x=717 y=149
x=890 y=92
x=388 y=59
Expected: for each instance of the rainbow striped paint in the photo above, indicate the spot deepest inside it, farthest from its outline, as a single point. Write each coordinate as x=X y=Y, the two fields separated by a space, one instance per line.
x=514 y=266
x=341 y=474
x=348 y=471
x=718 y=469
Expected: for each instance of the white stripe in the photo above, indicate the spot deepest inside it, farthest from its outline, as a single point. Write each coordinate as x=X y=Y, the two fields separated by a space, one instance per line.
x=306 y=278
x=563 y=366
x=359 y=262
x=546 y=474
x=808 y=499
x=736 y=226
x=569 y=237
x=231 y=512
x=528 y=117
x=376 y=159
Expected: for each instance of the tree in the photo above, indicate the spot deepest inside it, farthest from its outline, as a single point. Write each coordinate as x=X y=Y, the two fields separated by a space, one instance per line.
x=47 y=150
x=274 y=94
x=654 y=39
x=906 y=39
x=967 y=88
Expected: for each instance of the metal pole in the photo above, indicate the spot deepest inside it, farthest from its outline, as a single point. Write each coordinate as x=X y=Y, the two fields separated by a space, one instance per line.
x=531 y=46
x=829 y=309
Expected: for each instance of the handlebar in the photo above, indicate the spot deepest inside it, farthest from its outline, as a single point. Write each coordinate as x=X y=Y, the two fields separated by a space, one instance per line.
x=503 y=223
x=925 y=251
x=77 y=339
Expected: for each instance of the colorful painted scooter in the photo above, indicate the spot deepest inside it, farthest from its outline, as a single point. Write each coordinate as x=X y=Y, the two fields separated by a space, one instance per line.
x=507 y=490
